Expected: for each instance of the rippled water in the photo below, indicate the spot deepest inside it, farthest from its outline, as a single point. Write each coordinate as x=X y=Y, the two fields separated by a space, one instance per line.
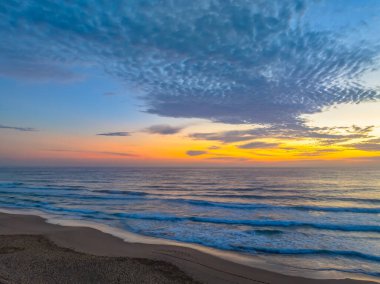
x=302 y=219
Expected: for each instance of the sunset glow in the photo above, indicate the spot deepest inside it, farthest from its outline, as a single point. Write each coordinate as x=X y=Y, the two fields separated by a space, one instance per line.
x=147 y=102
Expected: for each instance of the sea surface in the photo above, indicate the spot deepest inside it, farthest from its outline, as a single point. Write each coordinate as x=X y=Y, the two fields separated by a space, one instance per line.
x=301 y=219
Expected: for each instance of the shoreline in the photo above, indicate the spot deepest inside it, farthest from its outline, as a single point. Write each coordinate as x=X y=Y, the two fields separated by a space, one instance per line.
x=201 y=266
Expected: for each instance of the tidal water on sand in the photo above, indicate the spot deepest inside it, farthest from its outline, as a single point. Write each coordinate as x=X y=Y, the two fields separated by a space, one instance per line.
x=302 y=219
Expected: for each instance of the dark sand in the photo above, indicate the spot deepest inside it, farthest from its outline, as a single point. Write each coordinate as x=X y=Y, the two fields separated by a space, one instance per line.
x=35 y=259
x=33 y=251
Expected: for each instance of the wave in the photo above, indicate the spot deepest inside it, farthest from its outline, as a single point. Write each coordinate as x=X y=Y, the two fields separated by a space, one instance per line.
x=10 y=184
x=73 y=187
x=21 y=185
x=344 y=253
x=353 y=271
x=121 y=192
x=264 y=232
x=72 y=212
x=337 y=209
x=290 y=197
x=238 y=195
x=76 y=188
x=253 y=223
x=20 y=196
x=245 y=206
x=172 y=218
x=106 y=194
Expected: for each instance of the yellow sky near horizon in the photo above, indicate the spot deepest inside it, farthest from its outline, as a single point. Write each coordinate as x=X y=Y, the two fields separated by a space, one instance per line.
x=142 y=147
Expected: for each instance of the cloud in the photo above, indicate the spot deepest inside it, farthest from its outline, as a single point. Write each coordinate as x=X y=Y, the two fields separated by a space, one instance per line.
x=121 y=154
x=227 y=61
x=317 y=152
x=195 y=153
x=17 y=128
x=164 y=129
x=122 y=133
x=118 y=154
x=213 y=147
x=324 y=135
x=258 y=145
x=226 y=136
x=369 y=145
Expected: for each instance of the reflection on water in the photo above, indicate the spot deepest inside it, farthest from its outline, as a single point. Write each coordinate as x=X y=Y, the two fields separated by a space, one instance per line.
x=329 y=217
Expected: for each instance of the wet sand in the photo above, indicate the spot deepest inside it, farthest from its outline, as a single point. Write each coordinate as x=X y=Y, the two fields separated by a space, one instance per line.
x=33 y=251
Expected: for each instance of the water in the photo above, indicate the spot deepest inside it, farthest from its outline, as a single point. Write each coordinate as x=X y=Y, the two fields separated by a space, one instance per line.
x=302 y=220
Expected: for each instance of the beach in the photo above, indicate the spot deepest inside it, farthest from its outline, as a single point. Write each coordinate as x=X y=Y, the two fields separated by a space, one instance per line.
x=289 y=221
x=34 y=251
x=204 y=141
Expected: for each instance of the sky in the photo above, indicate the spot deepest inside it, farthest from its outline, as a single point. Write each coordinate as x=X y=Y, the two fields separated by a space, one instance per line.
x=189 y=83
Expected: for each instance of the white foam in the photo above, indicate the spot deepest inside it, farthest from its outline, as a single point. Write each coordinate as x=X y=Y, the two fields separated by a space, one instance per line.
x=130 y=237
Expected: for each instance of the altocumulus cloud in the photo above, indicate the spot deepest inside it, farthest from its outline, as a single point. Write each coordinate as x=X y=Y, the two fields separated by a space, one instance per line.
x=228 y=61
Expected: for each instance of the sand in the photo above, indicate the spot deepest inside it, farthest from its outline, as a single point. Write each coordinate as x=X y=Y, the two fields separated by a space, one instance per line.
x=33 y=251
x=35 y=259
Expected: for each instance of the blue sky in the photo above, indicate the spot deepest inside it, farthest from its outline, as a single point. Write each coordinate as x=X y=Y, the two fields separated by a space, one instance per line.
x=87 y=67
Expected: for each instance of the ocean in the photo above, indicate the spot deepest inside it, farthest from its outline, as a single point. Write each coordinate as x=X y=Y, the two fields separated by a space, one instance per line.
x=305 y=221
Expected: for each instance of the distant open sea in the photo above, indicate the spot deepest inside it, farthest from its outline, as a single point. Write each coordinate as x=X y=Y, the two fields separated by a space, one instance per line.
x=304 y=220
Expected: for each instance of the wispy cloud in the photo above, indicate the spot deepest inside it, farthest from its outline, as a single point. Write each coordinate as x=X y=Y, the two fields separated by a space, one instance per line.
x=122 y=154
x=317 y=153
x=368 y=145
x=258 y=145
x=164 y=129
x=213 y=147
x=110 y=153
x=122 y=133
x=324 y=135
x=195 y=153
x=17 y=128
